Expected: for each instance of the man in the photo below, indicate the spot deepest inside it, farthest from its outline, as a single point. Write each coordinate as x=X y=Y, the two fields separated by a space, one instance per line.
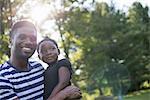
x=21 y=79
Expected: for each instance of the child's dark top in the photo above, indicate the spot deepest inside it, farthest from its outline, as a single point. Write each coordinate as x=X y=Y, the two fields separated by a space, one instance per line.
x=51 y=76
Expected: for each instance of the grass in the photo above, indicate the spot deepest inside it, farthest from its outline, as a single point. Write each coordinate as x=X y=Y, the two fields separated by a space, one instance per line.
x=142 y=95
x=139 y=95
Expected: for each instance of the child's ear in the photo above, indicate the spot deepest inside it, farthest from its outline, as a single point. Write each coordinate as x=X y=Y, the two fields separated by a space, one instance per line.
x=58 y=51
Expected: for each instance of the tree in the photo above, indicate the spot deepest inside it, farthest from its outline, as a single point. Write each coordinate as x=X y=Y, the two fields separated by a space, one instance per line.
x=138 y=36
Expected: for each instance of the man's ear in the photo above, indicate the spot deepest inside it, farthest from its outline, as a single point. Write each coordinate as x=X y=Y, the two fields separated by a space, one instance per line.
x=10 y=43
x=39 y=57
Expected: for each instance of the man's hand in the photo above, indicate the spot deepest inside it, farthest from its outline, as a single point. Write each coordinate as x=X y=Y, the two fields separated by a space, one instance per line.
x=68 y=93
x=72 y=92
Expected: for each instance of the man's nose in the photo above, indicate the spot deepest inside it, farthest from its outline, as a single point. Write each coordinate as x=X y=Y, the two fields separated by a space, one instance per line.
x=29 y=41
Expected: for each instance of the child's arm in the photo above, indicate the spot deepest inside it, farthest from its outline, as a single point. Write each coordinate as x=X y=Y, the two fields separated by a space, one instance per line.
x=64 y=78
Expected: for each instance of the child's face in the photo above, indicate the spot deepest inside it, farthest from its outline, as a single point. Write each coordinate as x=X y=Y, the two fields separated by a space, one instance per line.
x=48 y=52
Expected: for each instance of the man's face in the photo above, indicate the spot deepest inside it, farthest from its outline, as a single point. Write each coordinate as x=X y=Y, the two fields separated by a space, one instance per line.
x=48 y=52
x=24 y=42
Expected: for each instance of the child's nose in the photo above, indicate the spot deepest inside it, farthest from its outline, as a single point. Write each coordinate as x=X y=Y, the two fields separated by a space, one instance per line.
x=49 y=52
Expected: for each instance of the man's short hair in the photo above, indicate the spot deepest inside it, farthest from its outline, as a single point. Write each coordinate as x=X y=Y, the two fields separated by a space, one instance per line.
x=20 y=24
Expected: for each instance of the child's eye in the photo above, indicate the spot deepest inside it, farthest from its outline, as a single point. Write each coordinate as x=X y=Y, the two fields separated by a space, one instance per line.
x=43 y=51
x=22 y=37
x=53 y=48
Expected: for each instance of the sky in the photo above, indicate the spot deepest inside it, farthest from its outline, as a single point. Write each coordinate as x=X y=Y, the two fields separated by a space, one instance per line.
x=125 y=4
x=38 y=9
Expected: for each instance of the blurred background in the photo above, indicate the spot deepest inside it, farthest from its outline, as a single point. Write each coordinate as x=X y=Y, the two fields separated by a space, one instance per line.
x=107 y=41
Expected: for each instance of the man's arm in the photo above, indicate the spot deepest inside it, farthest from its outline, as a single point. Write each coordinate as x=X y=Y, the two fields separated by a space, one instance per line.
x=6 y=90
x=69 y=92
x=64 y=78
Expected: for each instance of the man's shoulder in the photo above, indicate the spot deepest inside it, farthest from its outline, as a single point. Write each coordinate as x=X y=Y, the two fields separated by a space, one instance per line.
x=4 y=66
x=4 y=69
x=36 y=64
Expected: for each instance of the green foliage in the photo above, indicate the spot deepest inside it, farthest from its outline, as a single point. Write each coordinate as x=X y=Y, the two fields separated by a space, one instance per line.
x=4 y=51
x=111 y=37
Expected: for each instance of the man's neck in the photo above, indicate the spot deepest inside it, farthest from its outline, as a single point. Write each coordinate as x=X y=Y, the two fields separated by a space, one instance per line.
x=20 y=64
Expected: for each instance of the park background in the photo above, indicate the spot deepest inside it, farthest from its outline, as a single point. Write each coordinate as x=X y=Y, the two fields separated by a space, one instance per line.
x=107 y=41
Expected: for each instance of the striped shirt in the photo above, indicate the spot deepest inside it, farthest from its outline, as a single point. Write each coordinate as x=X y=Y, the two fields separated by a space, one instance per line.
x=24 y=85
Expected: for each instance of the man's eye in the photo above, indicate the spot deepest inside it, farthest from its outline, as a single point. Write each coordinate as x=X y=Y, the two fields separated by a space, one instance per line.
x=22 y=37
x=33 y=39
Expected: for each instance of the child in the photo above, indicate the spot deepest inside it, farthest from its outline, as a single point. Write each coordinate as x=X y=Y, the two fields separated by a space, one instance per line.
x=57 y=76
